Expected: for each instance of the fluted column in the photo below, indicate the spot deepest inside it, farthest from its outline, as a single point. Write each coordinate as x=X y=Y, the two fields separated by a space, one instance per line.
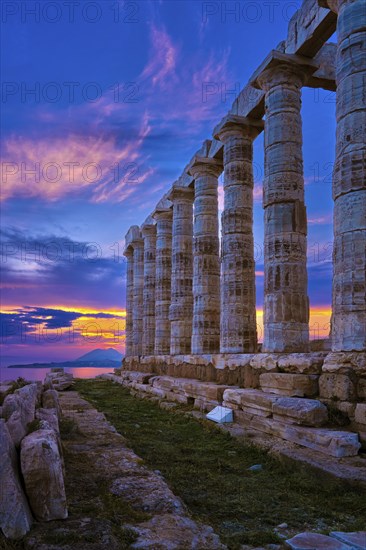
x=206 y=261
x=286 y=304
x=181 y=308
x=163 y=220
x=148 y=336
x=238 y=332
x=348 y=325
x=128 y=253
x=138 y=287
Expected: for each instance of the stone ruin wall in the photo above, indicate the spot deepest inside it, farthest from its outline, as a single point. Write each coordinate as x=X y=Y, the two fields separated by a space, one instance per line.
x=191 y=310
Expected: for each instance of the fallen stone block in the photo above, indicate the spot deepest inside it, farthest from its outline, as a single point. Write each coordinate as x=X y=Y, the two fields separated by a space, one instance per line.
x=50 y=416
x=42 y=471
x=290 y=385
x=307 y=412
x=15 y=515
x=50 y=400
x=339 y=386
x=360 y=413
x=17 y=427
x=315 y=541
x=357 y=540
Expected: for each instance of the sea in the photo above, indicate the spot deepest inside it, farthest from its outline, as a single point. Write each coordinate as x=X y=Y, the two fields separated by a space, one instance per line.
x=39 y=373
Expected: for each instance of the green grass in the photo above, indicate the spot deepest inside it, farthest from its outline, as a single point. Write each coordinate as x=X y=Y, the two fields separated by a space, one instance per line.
x=208 y=469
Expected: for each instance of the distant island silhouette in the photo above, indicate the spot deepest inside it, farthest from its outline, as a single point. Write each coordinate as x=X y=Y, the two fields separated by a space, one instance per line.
x=108 y=358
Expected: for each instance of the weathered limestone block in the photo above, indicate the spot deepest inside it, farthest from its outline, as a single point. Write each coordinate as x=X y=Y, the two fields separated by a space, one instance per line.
x=361 y=388
x=337 y=386
x=148 y=231
x=50 y=416
x=344 y=363
x=181 y=308
x=251 y=399
x=291 y=385
x=50 y=400
x=356 y=540
x=360 y=413
x=42 y=471
x=60 y=380
x=349 y=182
x=238 y=332
x=128 y=253
x=19 y=411
x=306 y=412
x=301 y=363
x=265 y=362
x=315 y=540
x=206 y=261
x=163 y=218
x=15 y=516
x=330 y=442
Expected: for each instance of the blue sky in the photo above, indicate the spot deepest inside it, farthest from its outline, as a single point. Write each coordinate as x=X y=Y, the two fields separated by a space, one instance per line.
x=138 y=86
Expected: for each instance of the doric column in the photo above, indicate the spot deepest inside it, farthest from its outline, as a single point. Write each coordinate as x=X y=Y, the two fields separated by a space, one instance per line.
x=348 y=326
x=148 y=231
x=286 y=304
x=181 y=308
x=128 y=253
x=238 y=332
x=138 y=287
x=163 y=220
x=206 y=261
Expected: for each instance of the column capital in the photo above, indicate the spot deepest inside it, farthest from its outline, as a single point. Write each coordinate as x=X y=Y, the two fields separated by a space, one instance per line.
x=128 y=252
x=181 y=193
x=332 y=5
x=282 y=68
x=200 y=166
x=148 y=229
x=163 y=214
x=234 y=125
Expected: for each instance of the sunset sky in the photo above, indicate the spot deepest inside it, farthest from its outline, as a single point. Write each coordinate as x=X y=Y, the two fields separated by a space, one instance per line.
x=104 y=103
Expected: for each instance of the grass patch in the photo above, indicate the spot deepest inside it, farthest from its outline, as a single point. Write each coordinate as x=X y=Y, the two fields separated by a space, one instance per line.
x=208 y=469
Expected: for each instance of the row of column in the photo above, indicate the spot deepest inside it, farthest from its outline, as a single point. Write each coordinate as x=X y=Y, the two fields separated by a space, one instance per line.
x=182 y=298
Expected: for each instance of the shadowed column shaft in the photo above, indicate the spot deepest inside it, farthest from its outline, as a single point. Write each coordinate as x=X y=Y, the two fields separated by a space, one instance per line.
x=206 y=261
x=129 y=303
x=238 y=332
x=163 y=281
x=138 y=286
x=348 y=326
x=181 y=308
x=286 y=304
x=148 y=338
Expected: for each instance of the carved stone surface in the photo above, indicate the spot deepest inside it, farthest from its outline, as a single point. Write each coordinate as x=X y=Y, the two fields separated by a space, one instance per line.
x=349 y=182
x=138 y=288
x=128 y=253
x=238 y=331
x=206 y=261
x=148 y=329
x=181 y=308
x=163 y=220
x=286 y=304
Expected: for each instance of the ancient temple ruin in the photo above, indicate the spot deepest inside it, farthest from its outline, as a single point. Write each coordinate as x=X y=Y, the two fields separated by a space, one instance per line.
x=191 y=311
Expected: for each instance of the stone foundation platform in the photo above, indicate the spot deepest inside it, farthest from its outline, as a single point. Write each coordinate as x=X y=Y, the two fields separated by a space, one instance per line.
x=316 y=400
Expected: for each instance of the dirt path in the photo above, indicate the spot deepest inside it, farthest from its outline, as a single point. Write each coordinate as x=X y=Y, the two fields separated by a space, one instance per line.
x=114 y=500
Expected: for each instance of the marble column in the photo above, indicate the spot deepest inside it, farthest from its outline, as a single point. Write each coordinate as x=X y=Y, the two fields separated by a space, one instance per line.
x=238 y=331
x=348 y=325
x=148 y=336
x=138 y=287
x=286 y=304
x=206 y=261
x=181 y=308
x=128 y=253
x=163 y=220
